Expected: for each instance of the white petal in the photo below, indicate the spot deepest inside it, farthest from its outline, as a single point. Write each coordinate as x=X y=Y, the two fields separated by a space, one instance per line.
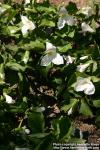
x=27 y=2
x=28 y=23
x=90 y=89
x=46 y=60
x=63 y=11
x=70 y=20
x=61 y=23
x=9 y=99
x=83 y=57
x=70 y=111
x=58 y=60
x=86 y=28
x=80 y=84
x=49 y=46
x=24 y=19
x=82 y=67
x=87 y=11
x=69 y=59
x=24 y=30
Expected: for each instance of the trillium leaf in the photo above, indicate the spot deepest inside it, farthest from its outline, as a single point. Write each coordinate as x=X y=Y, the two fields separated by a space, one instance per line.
x=36 y=122
x=15 y=66
x=96 y=103
x=48 y=23
x=85 y=109
x=65 y=48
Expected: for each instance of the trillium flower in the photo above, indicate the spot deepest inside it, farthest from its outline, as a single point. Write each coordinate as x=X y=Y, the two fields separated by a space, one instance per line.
x=82 y=67
x=69 y=59
x=51 y=56
x=27 y=25
x=70 y=111
x=9 y=99
x=65 y=18
x=84 y=84
x=27 y=2
x=87 y=11
x=86 y=28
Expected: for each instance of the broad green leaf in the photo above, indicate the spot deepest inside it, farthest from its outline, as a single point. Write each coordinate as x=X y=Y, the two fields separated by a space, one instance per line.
x=49 y=23
x=64 y=49
x=36 y=122
x=96 y=103
x=15 y=66
x=85 y=109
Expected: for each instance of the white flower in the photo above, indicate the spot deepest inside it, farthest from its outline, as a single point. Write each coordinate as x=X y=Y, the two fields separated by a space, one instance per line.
x=70 y=111
x=26 y=130
x=83 y=57
x=51 y=56
x=65 y=18
x=69 y=59
x=2 y=10
x=27 y=2
x=27 y=25
x=82 y=67
x=84 y=84
x=2 y=75
x=87 y=11
x=86 y=28
x=9 y=99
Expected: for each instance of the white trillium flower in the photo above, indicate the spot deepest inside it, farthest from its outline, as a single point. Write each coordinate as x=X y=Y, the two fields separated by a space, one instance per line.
x=86 y=28
x=9 y=99
x=70 y=111
x=27 y=2
x=69 y=59
x=65 y=18
x=27 y=25
x=83 y=57
x=84 y=84
x=82 y=67
x=51 y=56
x=87 y=11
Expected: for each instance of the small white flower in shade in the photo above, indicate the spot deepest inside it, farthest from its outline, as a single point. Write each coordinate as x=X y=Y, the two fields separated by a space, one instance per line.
x=86 y=28
x=83 y=57
x=84 y=84
x=2 y=76
x=51 y=56
x=2 y=10
x=82 y=67
x=26 y=130
x=65 y=18
x=70 y=111
x=27 y=25
x=27 y=2
x=69 y=59
x=87 y=11
x=9 y=99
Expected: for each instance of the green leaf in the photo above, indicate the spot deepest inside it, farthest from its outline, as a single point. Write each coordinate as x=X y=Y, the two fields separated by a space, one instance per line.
x=15 y=66
x=65 y=48
x=96 y=103
x=39 y=135
x=36 y=122
x=48 y=23
x=85 y=109
x=72 y=103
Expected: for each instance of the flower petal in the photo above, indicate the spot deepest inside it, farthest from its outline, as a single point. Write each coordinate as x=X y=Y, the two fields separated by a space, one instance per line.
x=24 y=30
x=46 y=60
x=58 y=60
x=49 y=46
x=70 y=20
x=9 y=99
x=87 y=11
x=86 y=28
x=61 y=23
x=82 y=67
x=90 y=89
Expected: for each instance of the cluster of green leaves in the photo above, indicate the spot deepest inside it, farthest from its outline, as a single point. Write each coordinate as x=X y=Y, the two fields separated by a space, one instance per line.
x=31 y=122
